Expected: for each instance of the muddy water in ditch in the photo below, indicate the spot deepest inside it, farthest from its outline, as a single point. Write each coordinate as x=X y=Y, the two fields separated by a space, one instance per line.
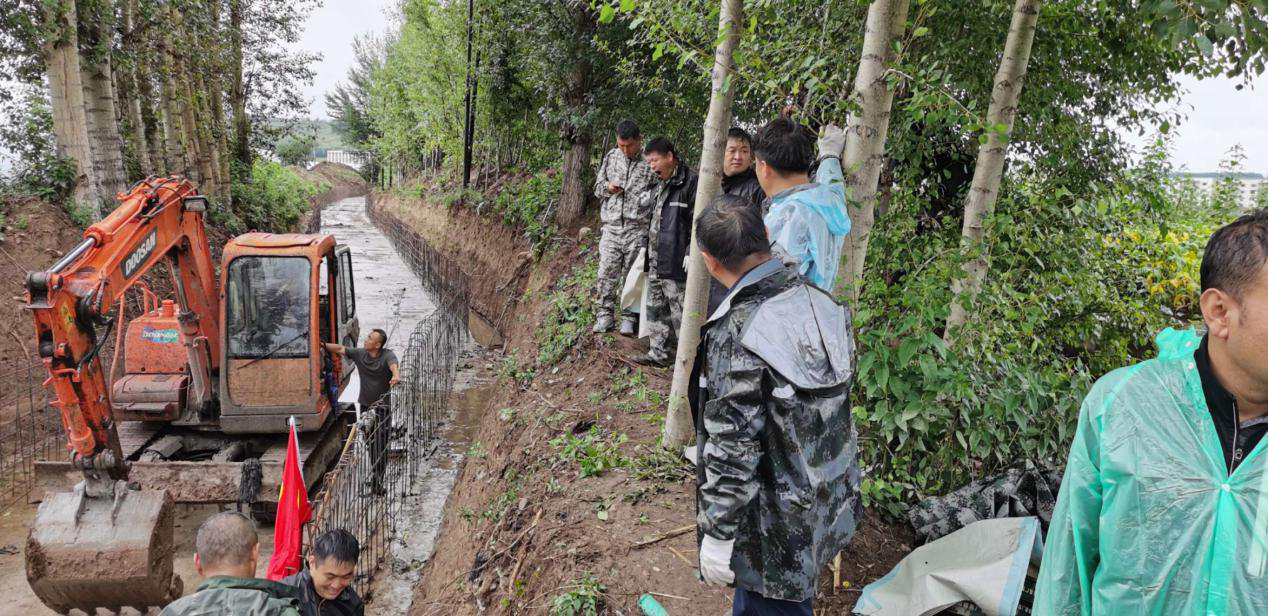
x=388 y=297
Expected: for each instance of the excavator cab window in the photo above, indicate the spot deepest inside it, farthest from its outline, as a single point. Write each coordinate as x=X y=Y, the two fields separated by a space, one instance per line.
x=268 y=307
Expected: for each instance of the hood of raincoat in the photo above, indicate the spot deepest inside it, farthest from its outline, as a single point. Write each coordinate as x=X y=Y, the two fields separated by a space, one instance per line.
x=809 y=222
x=803 y=335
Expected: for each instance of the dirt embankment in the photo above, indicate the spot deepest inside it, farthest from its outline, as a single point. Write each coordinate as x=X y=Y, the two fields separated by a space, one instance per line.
x=35 y=235
x=522 y=528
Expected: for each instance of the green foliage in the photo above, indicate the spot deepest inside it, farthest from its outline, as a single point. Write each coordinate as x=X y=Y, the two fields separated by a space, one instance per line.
x=296 y=150
x=26 y=133
x=584 y=598
x=1079 y=285
x=511 y=369
x=594 y=452
x=569 y=313
x=273 y=200
x=530 y=206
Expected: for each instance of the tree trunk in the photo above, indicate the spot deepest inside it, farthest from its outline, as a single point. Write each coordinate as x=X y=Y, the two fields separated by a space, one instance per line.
x=136 y=121
x=866 y=134
x=70 y=122
x=991 y=156
x=241 y=154
x=101 y=107
x=578 y=139
x=215 y=91
x=173 y=125
x=678 y=427
x=152 y=108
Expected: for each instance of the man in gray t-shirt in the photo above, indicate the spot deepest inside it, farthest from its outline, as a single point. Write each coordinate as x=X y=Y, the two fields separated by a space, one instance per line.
x=378 y=370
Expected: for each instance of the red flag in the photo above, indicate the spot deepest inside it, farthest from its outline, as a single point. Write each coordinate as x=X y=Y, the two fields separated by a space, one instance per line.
x=293 y=511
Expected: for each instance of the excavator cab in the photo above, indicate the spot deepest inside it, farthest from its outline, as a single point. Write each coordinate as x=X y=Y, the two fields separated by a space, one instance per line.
x=284 y=295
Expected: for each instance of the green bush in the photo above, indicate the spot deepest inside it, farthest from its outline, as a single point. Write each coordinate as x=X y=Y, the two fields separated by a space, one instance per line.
x=1079 y=284
x=530 y=206
x=274 y=200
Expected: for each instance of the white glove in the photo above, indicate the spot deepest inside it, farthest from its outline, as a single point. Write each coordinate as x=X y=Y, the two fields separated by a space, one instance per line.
x=831 y=141
x=685 y=260
x=715 y=561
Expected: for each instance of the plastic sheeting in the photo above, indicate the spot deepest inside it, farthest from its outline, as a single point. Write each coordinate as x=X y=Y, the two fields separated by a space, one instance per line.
x=983 y=563
x=1148 y=520
x=810 y=223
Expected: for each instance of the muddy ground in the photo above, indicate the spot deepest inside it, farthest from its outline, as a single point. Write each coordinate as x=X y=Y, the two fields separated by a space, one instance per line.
x=522 y=527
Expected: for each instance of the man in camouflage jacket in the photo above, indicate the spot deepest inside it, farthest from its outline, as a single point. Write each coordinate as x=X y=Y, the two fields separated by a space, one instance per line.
x=226 y=552
x=777 y=460
x=620 y=184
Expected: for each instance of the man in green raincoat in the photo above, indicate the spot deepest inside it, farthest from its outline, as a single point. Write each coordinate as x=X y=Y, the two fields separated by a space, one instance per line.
x=1164 y=505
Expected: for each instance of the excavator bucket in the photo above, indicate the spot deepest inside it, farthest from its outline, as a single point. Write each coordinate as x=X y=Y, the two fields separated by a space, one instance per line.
x=109 y=552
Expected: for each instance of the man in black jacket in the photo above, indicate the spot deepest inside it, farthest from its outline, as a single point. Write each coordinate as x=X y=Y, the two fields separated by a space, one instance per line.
x=739 y=179
x=669 y=242
x=325 y=587
x=738 y=176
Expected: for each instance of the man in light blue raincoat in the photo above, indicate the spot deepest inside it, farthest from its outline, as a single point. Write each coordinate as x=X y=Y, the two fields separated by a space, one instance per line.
x=807 y=220
x=1164 y=505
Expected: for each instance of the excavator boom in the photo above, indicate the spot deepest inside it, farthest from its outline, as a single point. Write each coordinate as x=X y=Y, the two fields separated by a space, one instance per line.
x=106 y=544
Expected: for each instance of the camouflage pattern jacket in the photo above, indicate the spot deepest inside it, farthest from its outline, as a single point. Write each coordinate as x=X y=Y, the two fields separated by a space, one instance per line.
x=238 y=596
x=636 y=177
x=777 y=453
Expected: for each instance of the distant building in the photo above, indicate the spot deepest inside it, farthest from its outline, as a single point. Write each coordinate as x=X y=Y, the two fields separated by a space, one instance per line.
x=352 y=158
x=1249 y=184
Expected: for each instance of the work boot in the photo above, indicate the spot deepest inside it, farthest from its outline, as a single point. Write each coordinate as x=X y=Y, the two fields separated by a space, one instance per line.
x=603 y=324
x=652 y=360
x=628 y=327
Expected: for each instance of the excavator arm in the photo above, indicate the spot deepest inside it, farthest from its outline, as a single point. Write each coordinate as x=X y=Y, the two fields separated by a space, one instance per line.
x=159 y=219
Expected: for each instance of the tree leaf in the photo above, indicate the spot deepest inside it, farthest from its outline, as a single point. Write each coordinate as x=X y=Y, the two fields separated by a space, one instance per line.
x=606 y=13
x=627 y=5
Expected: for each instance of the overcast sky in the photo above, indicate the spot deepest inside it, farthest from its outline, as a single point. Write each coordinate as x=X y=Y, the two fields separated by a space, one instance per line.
x=1219 y=117
x=330 y=32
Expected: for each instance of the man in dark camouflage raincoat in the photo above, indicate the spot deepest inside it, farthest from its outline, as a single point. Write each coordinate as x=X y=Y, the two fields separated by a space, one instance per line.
x=777 y=460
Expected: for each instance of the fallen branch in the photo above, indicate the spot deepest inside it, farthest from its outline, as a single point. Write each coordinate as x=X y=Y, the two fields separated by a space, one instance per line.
x=669 y=535
x=682 y=558
x=667 y=595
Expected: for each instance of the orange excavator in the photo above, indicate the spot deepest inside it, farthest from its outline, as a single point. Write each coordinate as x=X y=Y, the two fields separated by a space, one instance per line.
x=209 y=381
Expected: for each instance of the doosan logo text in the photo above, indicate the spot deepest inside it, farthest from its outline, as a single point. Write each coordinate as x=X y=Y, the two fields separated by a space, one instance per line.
x=139 y=255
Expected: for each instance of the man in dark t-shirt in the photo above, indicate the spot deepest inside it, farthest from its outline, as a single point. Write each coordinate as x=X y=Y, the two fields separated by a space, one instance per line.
x=378 y=370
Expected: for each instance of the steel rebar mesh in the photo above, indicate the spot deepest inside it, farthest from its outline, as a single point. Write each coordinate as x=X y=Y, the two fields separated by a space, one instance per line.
x=384 y=457
x=30 y=430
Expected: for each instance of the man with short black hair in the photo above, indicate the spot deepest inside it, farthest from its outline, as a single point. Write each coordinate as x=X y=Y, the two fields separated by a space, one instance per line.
x=669 y=242
x=325 y=587
x=377 y=371
x=1164 y=503
x=226 y=551
x=777 y=490
x=621 y=185
x=807 y=219
x=739 y=179
x=738 y=176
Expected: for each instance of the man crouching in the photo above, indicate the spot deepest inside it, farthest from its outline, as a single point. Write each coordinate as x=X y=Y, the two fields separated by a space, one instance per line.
x=778 y=479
